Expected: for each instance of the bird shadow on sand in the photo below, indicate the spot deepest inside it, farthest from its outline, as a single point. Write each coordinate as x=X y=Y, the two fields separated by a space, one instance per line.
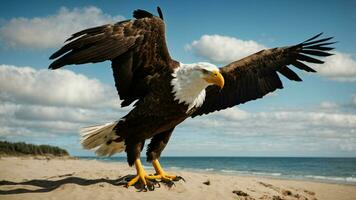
x=46 y=185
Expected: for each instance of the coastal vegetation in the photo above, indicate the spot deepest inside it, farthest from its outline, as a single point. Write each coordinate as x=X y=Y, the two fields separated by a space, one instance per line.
x=21 y=149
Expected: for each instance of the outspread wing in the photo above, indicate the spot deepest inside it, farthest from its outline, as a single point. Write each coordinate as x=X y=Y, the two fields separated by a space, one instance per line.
x=137 y=49
x=256 y=75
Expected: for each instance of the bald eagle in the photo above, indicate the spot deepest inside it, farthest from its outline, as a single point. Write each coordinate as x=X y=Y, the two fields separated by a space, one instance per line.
x=166 y=91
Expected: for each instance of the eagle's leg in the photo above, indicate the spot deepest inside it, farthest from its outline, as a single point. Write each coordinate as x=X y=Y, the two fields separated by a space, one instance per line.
x=133 y=149
x=142 y=177
x=158 y=143
x=161 y=174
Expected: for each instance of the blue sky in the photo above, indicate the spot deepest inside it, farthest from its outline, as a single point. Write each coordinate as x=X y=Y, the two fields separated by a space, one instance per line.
x=314 y=118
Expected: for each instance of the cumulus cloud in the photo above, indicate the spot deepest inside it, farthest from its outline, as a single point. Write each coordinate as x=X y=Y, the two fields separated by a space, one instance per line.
x=45 y=104
x=233 y=114
x=328 y=105
x=223 y=49
x=301 y=118
x=54 y=88
x=339 y=67
x=279 y=132
x=51 y=31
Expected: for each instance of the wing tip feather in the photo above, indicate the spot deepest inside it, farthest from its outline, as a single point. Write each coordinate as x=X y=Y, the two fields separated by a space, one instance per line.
x=139 y=14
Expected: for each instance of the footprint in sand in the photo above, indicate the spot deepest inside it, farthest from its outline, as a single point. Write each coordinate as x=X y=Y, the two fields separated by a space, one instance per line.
x=242 y=195
x=286 y=193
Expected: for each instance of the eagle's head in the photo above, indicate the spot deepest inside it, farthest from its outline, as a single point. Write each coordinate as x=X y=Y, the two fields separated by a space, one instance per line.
x=190 y=80
x=210 y=73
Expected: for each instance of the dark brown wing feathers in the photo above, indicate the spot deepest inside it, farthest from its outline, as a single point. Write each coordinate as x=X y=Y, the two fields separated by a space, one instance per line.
x=302 y=66
x=256 y=75
x=137 y=49
x=95 y=45
x=290 y=74
x=139 y=14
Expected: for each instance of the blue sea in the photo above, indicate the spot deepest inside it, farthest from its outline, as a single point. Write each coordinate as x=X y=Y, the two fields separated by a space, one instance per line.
x=331 y=170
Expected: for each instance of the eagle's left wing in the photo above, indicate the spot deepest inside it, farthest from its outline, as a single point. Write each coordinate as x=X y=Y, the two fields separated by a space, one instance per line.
x=137 y=50
x=256 y=75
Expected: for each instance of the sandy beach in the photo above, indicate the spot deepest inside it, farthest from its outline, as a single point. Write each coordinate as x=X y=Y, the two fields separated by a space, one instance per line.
x=40 y=178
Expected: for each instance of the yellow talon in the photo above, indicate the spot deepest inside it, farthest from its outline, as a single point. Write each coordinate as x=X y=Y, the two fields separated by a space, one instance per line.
x=141 y=175
x=150 y=180
x=160 y=174
x=133 y=181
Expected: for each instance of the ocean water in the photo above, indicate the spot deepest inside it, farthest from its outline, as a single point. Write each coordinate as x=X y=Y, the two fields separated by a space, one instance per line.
x=333 y=170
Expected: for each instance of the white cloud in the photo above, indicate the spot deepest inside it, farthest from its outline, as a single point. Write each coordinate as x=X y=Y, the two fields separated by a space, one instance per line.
x=48 y=103
x=328 y=132
x=54 y=88
x=339 y=67
x=327 y=105
x=234 y=113
x=223 y=49
x=316 y=118
x=51 y=31
x=237 y=118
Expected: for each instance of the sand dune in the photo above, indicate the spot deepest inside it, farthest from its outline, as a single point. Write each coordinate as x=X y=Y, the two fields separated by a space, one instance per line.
x=31 y=178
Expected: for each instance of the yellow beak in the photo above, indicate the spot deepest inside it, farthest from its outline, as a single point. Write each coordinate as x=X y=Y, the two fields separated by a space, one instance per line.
x=215 y=78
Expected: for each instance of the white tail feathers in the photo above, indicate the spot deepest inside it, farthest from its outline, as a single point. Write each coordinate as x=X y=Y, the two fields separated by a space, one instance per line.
x=103 y=137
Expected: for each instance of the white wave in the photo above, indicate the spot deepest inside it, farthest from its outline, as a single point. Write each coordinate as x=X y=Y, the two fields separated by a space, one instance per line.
x=333 y=178
x=266 y=174
x=250 y=173
x=229 y=171
x=175 y=168
x=350 y=179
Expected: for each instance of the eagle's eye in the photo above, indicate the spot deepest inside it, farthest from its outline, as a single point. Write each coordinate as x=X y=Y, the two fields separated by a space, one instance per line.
x=205 y=71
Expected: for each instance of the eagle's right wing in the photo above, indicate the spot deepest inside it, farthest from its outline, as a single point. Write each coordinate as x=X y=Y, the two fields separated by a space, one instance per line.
x=137 y=49
x=257 y=75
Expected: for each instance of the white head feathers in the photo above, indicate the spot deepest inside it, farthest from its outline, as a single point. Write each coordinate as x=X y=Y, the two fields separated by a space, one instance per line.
x=189 y=85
